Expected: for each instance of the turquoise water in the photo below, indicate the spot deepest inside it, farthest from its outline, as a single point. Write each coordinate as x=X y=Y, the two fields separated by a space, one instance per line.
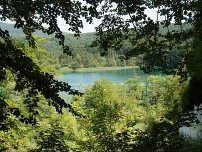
x=79 y=80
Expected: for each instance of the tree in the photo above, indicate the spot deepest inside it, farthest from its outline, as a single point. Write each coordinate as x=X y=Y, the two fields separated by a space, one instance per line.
x=102 y=107
x=155 y=38
x=164 y=43
x=158 y=47
x=162 y=46
x=30 y=15
x=16 y=131
x=124 y=118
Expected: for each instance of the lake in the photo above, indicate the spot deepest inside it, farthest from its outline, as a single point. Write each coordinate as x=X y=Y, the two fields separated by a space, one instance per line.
x=79 y=79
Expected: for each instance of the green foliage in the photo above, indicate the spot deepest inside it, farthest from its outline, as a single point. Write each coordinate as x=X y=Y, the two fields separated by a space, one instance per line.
x=83 y=54
x=20 y=110
x=52 y=140
x=83 y=59
x=114 y=119
x=160 y=43
x=20 y=136
x=162 y=133
x=28 y=76
x=157 y=39
x=193 y=58
x=124 y=118
x=162 y=136
x=164 y=89
x=24 y=76
x=102 y=109
x=192 y=144
x=192 y=62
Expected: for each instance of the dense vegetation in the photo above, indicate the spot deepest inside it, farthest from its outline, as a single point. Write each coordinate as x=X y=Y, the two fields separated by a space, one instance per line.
x=108 y=117
x=112 y=118
x=83 y=54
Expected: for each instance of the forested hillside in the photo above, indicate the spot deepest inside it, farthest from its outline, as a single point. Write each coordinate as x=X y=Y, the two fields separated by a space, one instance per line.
x=18 y=32
x=84 y=55
x=146 y=115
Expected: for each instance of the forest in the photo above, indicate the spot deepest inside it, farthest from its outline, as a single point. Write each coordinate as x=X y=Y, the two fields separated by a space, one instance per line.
x=83 y=54
x=134 y=116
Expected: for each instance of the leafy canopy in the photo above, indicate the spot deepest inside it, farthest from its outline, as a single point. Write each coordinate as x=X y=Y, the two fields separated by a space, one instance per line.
x=159 y=40
x=170 y=43
x=157 y=47
x=30 y=15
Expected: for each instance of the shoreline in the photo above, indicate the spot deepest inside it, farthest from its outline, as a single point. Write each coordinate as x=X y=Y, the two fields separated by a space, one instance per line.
x=65 y=70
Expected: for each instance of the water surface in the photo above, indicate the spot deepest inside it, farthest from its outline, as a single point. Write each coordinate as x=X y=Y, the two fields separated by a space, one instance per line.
x=78 y=80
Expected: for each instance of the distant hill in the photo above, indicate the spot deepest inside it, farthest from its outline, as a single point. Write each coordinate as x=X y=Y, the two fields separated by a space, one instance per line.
x=83 y=42
x=83 y=54
x=18 y=32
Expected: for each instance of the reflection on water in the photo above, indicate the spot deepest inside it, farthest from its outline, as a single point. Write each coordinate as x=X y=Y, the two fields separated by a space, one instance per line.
x=79 y=80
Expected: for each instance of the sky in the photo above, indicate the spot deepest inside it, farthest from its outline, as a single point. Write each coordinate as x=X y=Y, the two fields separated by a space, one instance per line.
x=87 y=27
x=152 y=13
x=91 y=27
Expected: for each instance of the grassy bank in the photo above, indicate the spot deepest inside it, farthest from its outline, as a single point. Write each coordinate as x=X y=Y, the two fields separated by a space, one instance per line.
x=67 y=70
